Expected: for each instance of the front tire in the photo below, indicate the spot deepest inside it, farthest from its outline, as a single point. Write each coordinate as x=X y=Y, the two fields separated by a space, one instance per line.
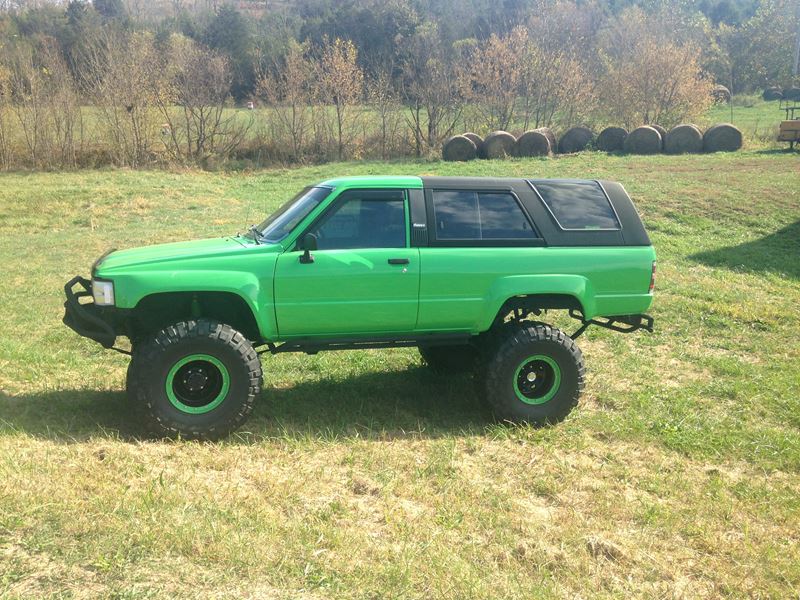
x=195 y=380
x=535 y=374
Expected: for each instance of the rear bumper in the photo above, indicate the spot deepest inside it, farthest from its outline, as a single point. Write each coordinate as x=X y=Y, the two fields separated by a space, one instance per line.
x=86 y=319
x=619 y=323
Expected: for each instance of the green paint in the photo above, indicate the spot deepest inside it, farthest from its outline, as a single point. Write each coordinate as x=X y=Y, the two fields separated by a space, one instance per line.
x=552 y=375
x=208 y=362
x=355 y=292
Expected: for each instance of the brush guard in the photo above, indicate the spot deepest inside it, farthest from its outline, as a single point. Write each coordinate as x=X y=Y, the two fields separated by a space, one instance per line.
x=84 y=317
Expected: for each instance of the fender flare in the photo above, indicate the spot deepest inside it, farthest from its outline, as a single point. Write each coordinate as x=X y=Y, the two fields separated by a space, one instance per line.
x=136 y=287
x=506 y=288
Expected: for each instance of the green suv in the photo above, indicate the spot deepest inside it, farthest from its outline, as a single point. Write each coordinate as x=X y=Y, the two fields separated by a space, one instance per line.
x=462 y=268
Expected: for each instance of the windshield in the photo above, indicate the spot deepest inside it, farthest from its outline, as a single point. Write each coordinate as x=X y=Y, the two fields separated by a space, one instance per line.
x=280 y=223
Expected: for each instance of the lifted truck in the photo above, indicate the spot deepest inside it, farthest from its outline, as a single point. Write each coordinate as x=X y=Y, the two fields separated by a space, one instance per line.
x=462 y=268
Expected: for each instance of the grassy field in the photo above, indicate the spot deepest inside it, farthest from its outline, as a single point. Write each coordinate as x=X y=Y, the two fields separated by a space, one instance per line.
x=757 y=119
x=363 y=475
x=265 y=143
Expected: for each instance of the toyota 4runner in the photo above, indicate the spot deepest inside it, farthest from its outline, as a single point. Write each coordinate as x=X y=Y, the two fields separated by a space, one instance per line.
x=462 y=268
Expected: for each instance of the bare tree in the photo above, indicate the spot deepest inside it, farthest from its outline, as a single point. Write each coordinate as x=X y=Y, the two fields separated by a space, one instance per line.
x=40 y=93
x=5 y=101
x=194 y=102
x=28 y=101
x=553 y=83
x=649 y=79
x=385 y=103
x=496 y=71
x=123 y=76
x=63 y=104
x=431 y=89
x=340 y=82
x=558 y=58
x=287 y=89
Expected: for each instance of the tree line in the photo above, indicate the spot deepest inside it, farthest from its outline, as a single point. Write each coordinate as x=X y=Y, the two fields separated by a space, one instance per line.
x=133 y=84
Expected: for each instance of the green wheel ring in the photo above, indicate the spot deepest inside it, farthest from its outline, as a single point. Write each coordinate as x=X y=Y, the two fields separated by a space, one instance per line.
x=197 y=410
x=553 y=387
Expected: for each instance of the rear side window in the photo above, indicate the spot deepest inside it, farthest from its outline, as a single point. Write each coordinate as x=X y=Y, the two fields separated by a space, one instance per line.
x=577 y=204
x=466 y=215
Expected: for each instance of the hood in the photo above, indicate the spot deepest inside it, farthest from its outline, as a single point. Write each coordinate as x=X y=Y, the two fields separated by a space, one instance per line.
x=165 y=253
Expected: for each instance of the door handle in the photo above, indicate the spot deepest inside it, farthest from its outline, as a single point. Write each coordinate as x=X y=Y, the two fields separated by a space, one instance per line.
x=398 y=261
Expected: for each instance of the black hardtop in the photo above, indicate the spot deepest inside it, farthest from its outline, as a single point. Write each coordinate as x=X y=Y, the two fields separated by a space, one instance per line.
x=629 y=232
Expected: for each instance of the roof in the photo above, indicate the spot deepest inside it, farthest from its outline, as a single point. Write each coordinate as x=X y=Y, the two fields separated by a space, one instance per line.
x=411 y=181
x=630 y=232
x=405 y=181
x=484 y=182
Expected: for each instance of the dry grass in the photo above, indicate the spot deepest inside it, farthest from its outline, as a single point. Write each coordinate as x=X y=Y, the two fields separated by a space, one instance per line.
x=361 y=474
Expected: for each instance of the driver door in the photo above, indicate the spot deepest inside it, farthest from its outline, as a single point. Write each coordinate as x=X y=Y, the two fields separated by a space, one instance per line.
x=364 y=278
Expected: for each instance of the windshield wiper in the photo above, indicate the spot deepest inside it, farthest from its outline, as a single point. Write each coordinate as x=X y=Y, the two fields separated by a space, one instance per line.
x=256 y=234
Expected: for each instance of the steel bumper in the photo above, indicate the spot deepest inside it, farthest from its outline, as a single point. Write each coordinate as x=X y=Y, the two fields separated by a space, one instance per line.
x=85 y=318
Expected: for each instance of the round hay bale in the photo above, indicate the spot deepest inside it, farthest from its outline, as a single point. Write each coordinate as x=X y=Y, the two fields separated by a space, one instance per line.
x=459 y=148
x=498 y=144
x=772 y=93
x=660 y=130
x=643 y=140
x=722 y=138
x=611 y=139
x=683 y=139
x=476 y=139
x=551 y=137
x=532 y=143
x=792 y=93
x=575 y=140
x=720 y=94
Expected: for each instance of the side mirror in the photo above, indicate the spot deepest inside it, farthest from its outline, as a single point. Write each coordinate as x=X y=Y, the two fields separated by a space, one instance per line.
x=309 y=243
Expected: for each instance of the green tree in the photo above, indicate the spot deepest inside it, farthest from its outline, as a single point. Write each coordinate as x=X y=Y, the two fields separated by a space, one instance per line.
x=759 y=52
x=110 y=9
x=229 y=33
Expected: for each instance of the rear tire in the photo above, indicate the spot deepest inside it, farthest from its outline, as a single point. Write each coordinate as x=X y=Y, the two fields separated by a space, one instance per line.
x=533 y=374
x=195 y=380
x=449 y=358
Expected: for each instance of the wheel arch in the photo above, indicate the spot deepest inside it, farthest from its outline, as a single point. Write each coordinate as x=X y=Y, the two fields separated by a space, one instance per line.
x=534 y=303
x=536 y=292
x=155 y=311
x=552 y=291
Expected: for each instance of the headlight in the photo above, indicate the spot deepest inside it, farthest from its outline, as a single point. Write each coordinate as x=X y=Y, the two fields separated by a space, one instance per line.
x=103 y=292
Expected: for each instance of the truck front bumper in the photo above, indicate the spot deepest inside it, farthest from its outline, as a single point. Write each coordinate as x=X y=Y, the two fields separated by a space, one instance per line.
x=86 y=318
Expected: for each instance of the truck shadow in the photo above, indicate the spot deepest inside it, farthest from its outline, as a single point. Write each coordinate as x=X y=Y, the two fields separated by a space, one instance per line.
x=378 y=405
x=779 y=252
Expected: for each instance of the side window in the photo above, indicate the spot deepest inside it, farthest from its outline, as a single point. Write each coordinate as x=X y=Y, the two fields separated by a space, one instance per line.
x=577 y=204
x=502 y=218
x=462 y=215
x=362 y=220
x=456 y=215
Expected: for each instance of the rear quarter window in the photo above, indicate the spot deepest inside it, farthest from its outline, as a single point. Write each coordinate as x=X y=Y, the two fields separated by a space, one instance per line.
x=577 y=205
